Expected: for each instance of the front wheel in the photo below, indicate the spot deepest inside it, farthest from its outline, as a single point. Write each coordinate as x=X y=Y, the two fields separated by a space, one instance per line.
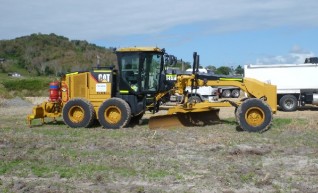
x=114 y=113
x=254 y=115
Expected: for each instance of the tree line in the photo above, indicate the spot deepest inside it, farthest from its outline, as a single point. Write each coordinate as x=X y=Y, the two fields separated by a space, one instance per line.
x=239 y=70
x=50 y=54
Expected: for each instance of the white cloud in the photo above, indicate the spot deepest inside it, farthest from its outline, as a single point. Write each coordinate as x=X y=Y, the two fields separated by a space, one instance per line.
x=97 y=19
x=296 y=56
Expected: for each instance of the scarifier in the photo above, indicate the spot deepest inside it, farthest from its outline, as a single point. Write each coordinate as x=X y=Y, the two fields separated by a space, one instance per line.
x=117 y=96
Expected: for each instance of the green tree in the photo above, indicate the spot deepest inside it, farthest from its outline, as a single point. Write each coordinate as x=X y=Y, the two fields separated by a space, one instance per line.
x=179 y=64
x=223 y=70
x=211 y=68
x=48 y=71
x=34 y=52
x=239 y=70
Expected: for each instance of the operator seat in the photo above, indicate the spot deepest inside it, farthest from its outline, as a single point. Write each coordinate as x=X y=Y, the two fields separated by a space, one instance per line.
x=130 y=77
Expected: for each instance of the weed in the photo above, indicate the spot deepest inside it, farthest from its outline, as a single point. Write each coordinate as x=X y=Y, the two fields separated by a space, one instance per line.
x=281 y=122
x=247 y=178
x=8 y=166
x=157 y=174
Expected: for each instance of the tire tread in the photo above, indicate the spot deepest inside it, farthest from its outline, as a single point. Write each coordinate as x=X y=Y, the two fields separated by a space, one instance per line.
x=122 y=105
x=240 y=115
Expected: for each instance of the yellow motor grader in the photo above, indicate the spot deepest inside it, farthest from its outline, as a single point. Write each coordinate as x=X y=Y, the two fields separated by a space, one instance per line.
x=116 y=96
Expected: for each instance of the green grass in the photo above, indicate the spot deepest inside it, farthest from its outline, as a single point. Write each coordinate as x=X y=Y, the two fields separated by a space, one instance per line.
x=157 y=174
x=281 y=122
x=24 y=86
x=81 y=154
x=64 y=171
x=247 y=178
x=172 y=159
x=32 y=84
x=6 y=167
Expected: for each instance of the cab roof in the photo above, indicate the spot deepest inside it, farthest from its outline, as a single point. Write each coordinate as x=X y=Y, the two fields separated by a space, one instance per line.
x=140 y=49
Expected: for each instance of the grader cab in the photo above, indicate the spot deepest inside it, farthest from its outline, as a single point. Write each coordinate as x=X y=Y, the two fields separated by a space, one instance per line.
x=117 y=96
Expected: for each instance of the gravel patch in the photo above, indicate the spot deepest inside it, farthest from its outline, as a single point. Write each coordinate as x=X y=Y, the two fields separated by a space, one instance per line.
x=15 y=102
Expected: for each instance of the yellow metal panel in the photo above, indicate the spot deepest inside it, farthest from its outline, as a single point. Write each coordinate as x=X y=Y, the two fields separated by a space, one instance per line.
x=78 y=85
x=100 y=90
x=71 y=73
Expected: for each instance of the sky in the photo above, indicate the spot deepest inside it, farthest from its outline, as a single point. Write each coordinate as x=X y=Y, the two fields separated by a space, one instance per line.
x=222 y=32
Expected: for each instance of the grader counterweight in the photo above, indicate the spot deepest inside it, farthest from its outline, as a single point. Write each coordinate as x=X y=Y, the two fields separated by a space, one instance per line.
x=121 y=95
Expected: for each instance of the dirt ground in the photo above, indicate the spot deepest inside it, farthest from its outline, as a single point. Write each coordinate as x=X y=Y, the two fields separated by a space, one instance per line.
x=208 y=159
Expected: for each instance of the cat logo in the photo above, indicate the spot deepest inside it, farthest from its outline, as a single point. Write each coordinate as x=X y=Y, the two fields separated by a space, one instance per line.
x=103 y=77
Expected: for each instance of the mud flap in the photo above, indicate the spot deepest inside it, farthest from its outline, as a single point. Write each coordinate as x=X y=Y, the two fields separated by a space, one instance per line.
x=189 y=119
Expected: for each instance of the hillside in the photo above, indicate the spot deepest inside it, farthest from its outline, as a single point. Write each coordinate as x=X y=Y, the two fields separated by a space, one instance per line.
x=42 y=54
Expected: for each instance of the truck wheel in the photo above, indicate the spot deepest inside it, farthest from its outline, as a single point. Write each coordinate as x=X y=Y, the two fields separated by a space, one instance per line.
x=226 y=93
x=235 y=93
x=114 y=113
x=194 y=99
x=288 y=103
x=254 y=115
x=78 y=112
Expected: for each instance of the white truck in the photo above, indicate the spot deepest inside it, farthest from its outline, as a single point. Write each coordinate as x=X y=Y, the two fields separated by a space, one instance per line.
x=204 y=93
x=297 y=84
x=222 y=91
x=229 y=92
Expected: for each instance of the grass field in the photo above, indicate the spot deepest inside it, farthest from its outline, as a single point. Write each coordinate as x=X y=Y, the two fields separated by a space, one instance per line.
x=218 y=158
x=24 y=86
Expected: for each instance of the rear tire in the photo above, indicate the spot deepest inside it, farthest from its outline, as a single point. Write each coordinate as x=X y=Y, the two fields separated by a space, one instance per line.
x=78 y=112
x=114 y=113
x=288 y=103
x=254 y=115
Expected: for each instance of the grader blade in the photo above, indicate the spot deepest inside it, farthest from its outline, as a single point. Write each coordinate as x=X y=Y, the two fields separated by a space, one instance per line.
x=188 y=119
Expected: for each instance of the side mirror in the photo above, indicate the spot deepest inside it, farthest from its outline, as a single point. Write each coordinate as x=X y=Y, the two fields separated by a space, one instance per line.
x=171 y=60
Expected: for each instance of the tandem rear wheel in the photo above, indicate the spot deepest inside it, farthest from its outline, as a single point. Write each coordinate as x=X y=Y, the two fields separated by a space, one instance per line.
x=78 y=112
x=114 y=113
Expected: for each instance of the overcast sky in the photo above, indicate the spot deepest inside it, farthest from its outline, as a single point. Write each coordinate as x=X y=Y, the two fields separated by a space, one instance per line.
x=223 y=32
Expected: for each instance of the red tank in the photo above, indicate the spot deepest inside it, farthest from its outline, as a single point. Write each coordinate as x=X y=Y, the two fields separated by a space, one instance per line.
x=55 y=91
